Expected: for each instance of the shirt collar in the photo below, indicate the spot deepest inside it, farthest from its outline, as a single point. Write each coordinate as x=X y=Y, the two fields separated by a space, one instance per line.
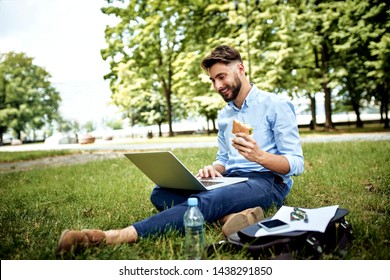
x=251 y=95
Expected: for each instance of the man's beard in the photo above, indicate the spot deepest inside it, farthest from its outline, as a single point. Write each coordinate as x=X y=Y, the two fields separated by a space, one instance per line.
x=236 y=87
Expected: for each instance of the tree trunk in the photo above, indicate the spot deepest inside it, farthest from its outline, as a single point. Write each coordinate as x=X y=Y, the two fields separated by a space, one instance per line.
x=169 y=112
x=327 y=93
x=313 y=109
x=167 y=86
x=208 y=126
x=328 y=107
x=385 y=103
x=382 y=111
x=356 y=109
x=19 y=134
x=214 y=126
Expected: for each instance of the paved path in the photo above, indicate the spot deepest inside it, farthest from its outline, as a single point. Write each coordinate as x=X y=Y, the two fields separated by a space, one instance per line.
x=106 y=150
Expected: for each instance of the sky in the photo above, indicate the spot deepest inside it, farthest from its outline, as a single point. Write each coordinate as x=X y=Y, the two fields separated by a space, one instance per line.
x=64 y=37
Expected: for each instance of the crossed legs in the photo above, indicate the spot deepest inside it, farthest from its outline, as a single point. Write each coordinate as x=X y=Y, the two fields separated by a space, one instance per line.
x=245 y=198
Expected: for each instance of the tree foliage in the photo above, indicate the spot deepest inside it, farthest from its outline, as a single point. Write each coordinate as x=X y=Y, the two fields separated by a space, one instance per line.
x=27 y=99
x=362 y=28
x=339 y=48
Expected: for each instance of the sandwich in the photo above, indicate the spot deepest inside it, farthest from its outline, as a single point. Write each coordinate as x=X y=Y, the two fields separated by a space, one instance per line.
x=241 y=127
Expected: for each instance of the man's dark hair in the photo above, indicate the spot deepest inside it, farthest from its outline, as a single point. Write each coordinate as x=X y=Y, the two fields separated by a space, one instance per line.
x=223 y=54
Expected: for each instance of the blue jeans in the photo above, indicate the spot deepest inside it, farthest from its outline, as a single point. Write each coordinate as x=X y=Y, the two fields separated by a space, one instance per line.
x=262 y=189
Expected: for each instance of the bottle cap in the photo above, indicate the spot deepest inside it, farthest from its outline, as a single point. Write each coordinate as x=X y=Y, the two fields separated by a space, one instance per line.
x=192 y=201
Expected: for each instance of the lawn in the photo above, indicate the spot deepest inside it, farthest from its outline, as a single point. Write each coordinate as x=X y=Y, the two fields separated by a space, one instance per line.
x=31 y=155
x=36 y=205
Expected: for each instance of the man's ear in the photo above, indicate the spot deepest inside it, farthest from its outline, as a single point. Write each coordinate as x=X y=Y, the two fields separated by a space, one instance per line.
x=241 y=68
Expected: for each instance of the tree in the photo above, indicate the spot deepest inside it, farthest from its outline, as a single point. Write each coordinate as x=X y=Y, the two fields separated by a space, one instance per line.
x=153 y=110
x=150 y=35
x=322 y=21
x=67 y=126
x=360 y=70
x=89 y=126
x=155 y=45
x=339 y=48
x=114 y=123
x=27 y=98
x=209 y=105
x=376 y=35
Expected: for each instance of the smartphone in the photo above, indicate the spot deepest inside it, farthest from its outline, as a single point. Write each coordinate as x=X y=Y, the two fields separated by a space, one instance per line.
x=273 y=225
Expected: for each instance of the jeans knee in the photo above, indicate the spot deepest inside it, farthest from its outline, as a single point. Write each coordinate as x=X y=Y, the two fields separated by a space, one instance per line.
x=154 y=198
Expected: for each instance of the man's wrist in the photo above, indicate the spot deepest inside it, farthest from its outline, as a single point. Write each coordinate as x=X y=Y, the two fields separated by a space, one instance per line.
x=219 y=168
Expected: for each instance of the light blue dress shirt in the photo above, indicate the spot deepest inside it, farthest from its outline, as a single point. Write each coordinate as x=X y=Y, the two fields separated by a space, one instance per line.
x=275 y=130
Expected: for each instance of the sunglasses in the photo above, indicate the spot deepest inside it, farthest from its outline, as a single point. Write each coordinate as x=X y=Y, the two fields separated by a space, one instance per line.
x=299 y=214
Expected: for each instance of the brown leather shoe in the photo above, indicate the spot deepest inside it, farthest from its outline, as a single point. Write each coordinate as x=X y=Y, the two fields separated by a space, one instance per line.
x=241 y=220
x=74 y=239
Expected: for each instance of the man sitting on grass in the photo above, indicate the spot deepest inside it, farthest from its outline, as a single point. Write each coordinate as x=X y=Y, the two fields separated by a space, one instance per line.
x=268 y=156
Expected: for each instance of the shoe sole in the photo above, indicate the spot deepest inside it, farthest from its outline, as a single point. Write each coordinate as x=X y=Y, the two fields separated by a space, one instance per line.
x=236 y=223
x=240 y=221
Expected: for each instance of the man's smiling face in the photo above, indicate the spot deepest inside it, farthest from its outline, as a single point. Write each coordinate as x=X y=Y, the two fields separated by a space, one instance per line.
x=226 y=80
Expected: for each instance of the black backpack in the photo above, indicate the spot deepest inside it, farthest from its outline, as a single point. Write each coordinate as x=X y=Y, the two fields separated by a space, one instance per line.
x=292 y=245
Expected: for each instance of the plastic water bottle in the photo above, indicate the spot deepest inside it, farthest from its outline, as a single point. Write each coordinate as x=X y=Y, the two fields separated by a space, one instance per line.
x=194 y=232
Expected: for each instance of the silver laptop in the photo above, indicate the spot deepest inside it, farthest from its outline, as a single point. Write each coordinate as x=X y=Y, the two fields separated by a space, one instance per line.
x=166 y=171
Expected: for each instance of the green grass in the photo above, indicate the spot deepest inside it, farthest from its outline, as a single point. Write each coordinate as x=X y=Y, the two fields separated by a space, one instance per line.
x=31 y=155
x=36 y=205
x=340 y=129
